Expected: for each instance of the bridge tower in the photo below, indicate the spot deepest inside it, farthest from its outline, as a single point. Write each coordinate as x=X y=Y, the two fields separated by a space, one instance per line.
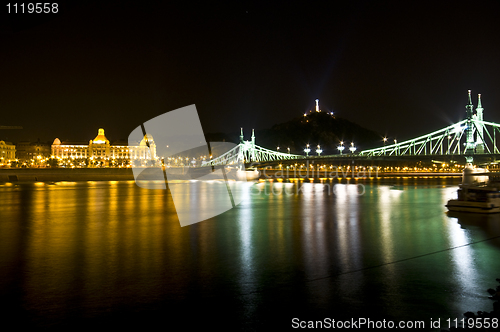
x=247 y=148
x=479 y=126
x=470 y=144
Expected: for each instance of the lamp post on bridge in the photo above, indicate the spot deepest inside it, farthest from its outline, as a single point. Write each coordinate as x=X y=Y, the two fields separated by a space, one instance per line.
x=307 y=150
x=318 y=151
x=352 y=148
x=385 y=141
x=341 y=147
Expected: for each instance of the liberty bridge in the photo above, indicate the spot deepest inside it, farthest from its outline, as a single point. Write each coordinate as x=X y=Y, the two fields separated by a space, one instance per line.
x=467 y=138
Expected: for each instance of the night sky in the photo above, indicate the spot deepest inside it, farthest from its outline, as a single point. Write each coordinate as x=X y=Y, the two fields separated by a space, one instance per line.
x=397 y=68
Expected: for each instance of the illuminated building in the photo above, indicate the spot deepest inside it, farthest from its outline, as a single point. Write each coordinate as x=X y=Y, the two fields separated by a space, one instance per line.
x=100 y=149
x=26 y=150
x=7 y=152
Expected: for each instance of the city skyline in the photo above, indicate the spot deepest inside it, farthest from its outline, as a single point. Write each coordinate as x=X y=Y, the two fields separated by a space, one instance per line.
x=398 y=69
x=249 y=165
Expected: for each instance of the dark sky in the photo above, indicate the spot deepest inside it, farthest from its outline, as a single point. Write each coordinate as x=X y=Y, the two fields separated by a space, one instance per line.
x=397 y=68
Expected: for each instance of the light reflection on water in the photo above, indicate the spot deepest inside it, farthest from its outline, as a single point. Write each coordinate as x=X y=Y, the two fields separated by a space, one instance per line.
x=109 y=250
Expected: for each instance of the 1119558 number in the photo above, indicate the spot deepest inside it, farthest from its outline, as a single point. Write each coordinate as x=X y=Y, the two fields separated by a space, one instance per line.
x=38 y=7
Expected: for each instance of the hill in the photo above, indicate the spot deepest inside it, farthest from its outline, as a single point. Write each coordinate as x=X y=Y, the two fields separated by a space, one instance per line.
x=313 y=129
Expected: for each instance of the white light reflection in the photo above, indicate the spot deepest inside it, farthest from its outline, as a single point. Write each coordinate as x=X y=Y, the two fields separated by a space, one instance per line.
x=313 y=222
x=245 y=218
x=279 y=227
x=388 y=200
x=462 y=258
x=342 y=212
x=347 y=213
x=464 y=268
x=316 y=237
x=307 y=190
x=246 y=253
x=349 y=246
x=276 y=189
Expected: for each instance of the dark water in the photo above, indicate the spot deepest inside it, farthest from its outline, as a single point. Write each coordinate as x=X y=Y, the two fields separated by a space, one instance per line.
x=94 y=254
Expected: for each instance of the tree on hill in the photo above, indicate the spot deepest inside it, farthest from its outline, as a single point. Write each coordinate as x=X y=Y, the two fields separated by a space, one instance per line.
x=315 y=128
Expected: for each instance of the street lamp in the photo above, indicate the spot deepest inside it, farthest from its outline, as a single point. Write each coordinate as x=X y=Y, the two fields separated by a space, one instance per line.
x=396 y=142
x=352 y=148
x=288 y=150
x=341 y=147
x=307 y=150
x=318 y=150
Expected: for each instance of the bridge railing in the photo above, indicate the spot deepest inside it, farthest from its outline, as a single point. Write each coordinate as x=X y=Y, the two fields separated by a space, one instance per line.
x=449 y=140
x=443 y=141
x=245 y=152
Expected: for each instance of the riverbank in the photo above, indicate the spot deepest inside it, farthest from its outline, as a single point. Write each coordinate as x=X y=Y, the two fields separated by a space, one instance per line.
x=65 y=174
x=342 y=174
x=125 y=174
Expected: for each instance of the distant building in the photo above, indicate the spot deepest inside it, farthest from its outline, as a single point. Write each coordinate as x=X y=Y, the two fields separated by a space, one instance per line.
x=26 y=151
x=100 y=149
x=7 y=152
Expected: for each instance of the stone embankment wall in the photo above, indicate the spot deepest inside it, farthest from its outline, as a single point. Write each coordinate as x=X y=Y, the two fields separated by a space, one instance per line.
x=64 y=174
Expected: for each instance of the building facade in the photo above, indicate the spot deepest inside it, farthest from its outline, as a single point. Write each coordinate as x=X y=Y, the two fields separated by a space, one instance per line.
x=101 y=150
x=28 y=151
x=7 y=152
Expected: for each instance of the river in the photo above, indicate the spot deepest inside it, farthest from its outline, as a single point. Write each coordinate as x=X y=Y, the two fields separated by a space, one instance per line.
x=112 y=254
